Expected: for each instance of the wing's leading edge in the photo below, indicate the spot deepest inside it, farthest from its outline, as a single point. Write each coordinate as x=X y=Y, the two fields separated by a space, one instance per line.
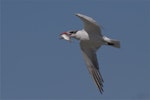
x=90 y=25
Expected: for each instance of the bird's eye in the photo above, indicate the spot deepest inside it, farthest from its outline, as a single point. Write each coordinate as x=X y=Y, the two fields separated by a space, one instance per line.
x=72 y=32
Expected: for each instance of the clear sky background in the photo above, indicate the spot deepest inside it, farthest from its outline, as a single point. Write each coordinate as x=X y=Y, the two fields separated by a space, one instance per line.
x=35 y=64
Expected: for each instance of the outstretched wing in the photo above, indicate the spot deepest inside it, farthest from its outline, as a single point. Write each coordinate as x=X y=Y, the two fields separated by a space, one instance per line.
x=90 y=25
x=89 y=55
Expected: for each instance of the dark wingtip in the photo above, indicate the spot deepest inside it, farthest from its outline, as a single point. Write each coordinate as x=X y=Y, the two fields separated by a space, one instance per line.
x=101 y=90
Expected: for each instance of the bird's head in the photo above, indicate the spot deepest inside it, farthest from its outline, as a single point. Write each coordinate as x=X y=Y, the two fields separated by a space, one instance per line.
x=68 y=35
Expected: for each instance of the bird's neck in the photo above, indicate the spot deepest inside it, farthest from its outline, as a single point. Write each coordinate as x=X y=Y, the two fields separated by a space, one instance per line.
x=81 y=35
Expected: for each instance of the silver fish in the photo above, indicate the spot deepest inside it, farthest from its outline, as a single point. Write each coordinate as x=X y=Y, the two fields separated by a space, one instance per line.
x=65 y=36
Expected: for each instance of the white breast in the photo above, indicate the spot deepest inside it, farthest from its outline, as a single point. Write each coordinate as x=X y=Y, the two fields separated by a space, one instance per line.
x=82 y=35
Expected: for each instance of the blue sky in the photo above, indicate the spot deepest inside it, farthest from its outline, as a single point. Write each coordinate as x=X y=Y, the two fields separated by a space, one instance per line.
x=35 y=64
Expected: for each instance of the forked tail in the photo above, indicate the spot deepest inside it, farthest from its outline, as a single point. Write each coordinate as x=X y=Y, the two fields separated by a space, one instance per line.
x=112 y=42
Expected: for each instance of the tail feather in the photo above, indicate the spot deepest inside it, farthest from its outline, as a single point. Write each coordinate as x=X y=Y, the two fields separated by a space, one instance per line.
x=112 y=42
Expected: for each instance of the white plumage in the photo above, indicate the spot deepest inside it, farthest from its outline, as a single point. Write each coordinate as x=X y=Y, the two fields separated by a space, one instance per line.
x=91 y=39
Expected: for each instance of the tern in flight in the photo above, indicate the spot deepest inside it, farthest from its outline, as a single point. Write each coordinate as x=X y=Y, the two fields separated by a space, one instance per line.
x=91 y=39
